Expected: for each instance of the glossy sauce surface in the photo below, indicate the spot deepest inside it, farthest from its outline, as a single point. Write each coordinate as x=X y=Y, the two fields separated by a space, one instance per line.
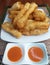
x=14 y=54
x=35 y=54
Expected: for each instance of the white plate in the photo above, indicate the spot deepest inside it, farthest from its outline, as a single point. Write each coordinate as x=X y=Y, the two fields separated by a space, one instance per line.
x=7 y=37
x=25 y=59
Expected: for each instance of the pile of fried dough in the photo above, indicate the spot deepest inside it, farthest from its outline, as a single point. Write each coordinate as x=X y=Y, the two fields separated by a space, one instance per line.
x=27 y=20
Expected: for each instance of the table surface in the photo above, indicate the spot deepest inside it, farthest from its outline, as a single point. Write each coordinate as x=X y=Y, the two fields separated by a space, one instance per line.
x=46 y=42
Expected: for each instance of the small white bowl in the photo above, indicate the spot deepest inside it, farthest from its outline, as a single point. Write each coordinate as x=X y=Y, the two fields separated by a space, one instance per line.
x=43 y=47
x=5 y=57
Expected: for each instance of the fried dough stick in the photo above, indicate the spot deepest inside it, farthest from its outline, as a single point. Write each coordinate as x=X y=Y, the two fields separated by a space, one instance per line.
x=17 y=6
x=14 y=12
x=7 y=26
x=21 y=21
x=38 y=31
x=32 y=24
x=21 y=13
x=39 y=15
x=35 y=32
x=11 y=16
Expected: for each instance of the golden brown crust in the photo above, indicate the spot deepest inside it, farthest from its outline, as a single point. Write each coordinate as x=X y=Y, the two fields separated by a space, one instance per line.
x=39 y=15
x=17 y=6
x=35 y=32
x=21 y=20
x=32 y=24
x=7 y=26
